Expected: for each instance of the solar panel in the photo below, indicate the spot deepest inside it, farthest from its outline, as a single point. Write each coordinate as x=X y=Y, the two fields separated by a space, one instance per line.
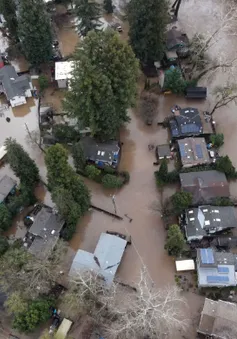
x=217 y=279
x=207 y=256
x=199 y=151
x=223 y=269
x=190 y=128
x=182 y=150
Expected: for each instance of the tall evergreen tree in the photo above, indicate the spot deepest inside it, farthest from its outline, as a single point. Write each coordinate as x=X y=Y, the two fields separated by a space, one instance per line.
x=103 y=86
x=108 y=6
x=20 y=162
x=35 y=31
x=147 y=21
x=88 y=13
x=8 y=10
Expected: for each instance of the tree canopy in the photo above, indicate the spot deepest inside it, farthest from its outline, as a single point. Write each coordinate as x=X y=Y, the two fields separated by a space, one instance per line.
x=88 y=13
x=147 y=22
x=108 y=6
x=175 y=240
x=103 y=86
x=34 y=31
x=21 y=163
x=8 y=10
x=181 y=201
x=5 y=218
x=69 y=192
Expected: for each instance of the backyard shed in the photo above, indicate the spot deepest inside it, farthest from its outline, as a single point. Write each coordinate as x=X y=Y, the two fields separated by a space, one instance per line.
x=63 y=72
x=7 y=184
x=185 y=265
x=163 y=151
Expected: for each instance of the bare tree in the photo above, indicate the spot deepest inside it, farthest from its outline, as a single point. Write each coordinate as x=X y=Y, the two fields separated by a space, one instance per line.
x=148 y=106
x=201 y=44
x=30 y=276
x=224 y=95
x=126 y=313
x=150 y=312
x=87 y=294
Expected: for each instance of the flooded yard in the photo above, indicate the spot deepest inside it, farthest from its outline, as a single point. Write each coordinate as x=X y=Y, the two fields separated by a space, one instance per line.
x=134 y=200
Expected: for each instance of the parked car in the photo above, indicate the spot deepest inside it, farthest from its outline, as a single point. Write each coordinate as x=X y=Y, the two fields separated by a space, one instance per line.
x=122 y=236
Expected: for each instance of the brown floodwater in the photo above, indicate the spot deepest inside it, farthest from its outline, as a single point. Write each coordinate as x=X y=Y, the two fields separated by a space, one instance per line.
x=136 y=198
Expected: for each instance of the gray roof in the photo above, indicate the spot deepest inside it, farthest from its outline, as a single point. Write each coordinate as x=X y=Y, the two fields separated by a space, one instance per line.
x=218 y=319
x=105 y=259
x=46 y=229
x=13 y=84
x=193 y=151
x=106 y=152
x=215 y=268
x=163 y=151
x=206 y=220
x=205 y=185
x=6 y=185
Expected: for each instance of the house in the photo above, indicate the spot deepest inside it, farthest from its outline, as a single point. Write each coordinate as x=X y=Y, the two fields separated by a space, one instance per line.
x=7 y=186
x=218 y=319
x=176 y=39
x=104 y=261
x=225 y=242
x=101 y=154
x=44 y=232
x=208 y=220
x=63 y=73
x=186 y=122
x=216 y=269
x=193 y=152
x=205 y=185
x=16 y=88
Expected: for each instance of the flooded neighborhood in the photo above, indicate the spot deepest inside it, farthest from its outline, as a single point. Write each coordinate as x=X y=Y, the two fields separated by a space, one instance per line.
x=136 y=209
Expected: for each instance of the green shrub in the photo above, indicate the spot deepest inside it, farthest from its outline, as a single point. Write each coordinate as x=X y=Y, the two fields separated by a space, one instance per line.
x=64 y=133
x=3 y=245
x=181 y=201
x=217 y=140
x=5 y=218
x=111 y=181
x=224 y=164
x=173 y=177
x=78 y=155
x=109 y=170
x=92 y=172
x=222 y=201
x=43 y=82
x=37 y=313
x=126 y=176
x=69 y=231
x=175 y=240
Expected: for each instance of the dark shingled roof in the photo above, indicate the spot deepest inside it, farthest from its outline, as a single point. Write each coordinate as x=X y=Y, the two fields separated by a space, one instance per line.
x=207 y=220
x=95 y=151
x=186 y=122
x=46 y=229
x=13 y=84
x=6 y=185
x=205 y=185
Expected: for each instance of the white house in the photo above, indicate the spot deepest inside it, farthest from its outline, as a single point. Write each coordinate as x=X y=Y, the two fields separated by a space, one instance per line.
x=16 y=88
x=63 y=72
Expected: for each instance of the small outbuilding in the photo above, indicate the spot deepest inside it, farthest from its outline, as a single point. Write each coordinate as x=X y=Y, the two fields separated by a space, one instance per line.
x=185 y=265
x=63 y=73
x=163 y=151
